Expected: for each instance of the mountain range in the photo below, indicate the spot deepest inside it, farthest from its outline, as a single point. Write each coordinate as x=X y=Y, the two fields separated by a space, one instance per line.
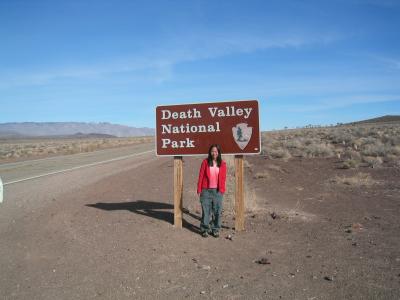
x=44 y=129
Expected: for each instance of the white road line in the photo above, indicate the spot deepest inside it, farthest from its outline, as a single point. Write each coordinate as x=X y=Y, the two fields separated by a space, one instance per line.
x=78 y=167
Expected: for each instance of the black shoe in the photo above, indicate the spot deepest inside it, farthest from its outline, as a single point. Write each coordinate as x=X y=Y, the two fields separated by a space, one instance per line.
x=204 y=234
x=215 y=234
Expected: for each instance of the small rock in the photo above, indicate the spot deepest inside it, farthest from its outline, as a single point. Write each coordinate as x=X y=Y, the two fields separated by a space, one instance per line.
x=205 y=267
x=354 y=244
x=263 y=261
x=328 y=278
x=229 y=237
x=202 y=292
x=357 y=226
x=225 y=286
x=274 y=215
x=348 y=230
x=194 y=260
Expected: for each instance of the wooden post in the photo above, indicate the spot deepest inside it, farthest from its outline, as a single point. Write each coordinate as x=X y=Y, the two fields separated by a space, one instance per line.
x=178 y=191
x=239 y=193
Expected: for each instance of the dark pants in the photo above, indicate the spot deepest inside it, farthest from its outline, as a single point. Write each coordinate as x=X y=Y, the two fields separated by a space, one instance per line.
x=211 y=204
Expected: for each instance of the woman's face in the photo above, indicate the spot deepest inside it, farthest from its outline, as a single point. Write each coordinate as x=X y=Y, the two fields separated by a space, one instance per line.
x=214 y=152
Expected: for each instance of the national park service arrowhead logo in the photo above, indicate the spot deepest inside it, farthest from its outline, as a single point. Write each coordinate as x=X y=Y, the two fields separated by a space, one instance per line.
x=242 y=134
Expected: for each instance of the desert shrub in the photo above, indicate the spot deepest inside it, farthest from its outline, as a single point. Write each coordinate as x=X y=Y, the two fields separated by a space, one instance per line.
x=340 y=137
x=377 y=149
x=349 y=164
x=395 y=150
x=360 y=179
x=352 y=155
x=372 y=161
x=319 y=150
x=279 y=153
x=293 y=144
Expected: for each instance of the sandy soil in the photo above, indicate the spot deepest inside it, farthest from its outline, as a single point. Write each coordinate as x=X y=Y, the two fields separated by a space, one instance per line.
x=113 y=238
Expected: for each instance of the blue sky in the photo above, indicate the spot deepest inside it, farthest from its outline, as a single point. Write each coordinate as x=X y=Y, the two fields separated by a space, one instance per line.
x=307 y=62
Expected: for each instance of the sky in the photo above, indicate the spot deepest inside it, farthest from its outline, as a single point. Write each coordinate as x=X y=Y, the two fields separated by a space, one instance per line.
x=306 y=62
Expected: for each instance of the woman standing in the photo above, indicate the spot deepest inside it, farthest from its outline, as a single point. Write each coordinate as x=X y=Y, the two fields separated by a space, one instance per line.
x=210 y=188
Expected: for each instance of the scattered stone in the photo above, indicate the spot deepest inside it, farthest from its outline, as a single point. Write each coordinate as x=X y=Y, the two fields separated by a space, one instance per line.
x=291 y=274
x=263 y=261
x=225 y=286
x=229 y=237
x=274 y=215
x=348 y=230
x=328 y=278
x=205 y=267
x=202 y=292
x=357 y=226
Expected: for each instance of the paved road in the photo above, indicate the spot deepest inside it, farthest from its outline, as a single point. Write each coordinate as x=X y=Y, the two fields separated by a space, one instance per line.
x=12 y=173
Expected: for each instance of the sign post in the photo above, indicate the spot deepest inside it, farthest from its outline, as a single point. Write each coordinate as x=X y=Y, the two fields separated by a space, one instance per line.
x=239 y=193
x=178 y=191
x=190 y=129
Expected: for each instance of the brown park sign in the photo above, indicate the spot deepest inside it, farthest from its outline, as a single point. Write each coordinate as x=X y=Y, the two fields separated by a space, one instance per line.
x=190 y=129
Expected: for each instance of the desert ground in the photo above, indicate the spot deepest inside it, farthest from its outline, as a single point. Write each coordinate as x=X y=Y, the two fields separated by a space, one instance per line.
x=322 y=222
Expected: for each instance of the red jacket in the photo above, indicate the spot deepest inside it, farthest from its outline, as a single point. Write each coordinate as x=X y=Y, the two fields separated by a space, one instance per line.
x=204 y=176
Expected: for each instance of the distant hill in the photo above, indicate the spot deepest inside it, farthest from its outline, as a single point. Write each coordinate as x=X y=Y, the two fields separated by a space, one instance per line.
x=383 y=119
x=79 y=129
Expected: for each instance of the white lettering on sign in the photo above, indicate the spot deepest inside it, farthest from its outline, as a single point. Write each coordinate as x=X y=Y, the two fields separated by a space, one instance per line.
x=230 y=111
x=168 y=128
x=187 y=143
x=189 y=114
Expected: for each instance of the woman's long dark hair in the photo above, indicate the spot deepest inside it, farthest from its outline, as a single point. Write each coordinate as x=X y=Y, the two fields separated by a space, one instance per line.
x=219 y=158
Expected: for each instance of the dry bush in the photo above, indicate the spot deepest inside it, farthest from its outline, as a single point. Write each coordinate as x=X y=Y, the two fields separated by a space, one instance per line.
x=377 y=149
x=353 y=144
x=360 y=179
x=279 y=153
x=10 y=149
x=372 y=161
x=349 y=164
x=319 y=150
